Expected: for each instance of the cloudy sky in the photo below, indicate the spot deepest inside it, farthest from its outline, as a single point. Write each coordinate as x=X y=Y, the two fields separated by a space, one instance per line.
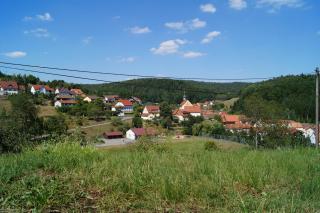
x=189 y=38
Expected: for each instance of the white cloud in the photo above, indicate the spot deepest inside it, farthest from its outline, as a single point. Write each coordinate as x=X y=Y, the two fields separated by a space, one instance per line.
x=175 y=25
x=238 y=4
x=41 y=17
x=168 y=47
x=127 y=59
x=278 y=4
x=45 y=17
x=116 y=17
x=87 y=40
x=140 y=30
x=15 y=54
x=39 y=32
x=210 y=36
x=208 y=8
x=186 y=26
x=27 y=18
x=191 y=54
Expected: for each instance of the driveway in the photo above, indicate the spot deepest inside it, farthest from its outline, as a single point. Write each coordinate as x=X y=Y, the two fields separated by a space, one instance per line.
x=114 y=142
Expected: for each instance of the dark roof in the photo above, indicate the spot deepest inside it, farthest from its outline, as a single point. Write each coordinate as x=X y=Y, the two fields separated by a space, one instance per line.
x=113 y=133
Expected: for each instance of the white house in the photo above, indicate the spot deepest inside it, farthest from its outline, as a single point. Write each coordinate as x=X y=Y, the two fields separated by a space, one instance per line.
x=125 y=105
x=308 y=133
x=61 y=103
x=135 y=133
x=150 y=112
x=36 y=89
x=90 y=98
x=8 y=88
x=186 y=109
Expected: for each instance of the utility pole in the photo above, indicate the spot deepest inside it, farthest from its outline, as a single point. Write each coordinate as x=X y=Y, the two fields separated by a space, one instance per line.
x=317 y=107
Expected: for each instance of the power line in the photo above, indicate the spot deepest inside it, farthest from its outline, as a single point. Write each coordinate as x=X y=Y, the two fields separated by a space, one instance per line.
x=132 y=75
x=56 y=74
x=104 y=81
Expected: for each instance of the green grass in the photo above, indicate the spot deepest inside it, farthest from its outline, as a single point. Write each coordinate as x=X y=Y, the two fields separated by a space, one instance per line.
x=168 y=177
x=5 y=104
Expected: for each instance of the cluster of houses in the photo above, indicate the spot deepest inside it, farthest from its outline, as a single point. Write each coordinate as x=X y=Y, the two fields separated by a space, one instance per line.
x=69 y=97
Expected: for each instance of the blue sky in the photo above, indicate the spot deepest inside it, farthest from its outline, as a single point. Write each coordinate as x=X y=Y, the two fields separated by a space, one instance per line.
x=189 y=38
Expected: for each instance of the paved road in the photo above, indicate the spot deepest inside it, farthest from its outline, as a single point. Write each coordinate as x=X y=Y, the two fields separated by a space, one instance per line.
x=114 y=142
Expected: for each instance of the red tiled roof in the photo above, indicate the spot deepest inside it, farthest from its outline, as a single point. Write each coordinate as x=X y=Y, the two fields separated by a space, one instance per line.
x=238 y=126
x=62 y=97
x=77 y=91
x=38 y=87
x=48 y=88
x=8 y=85
x=177 y=112
x=192 y=109
x=153 y=108
x=230 y=118
x=126 y=102
x=207 y=113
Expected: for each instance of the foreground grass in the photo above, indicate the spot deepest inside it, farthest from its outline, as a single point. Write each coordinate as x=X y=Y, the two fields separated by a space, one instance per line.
x=180 y=176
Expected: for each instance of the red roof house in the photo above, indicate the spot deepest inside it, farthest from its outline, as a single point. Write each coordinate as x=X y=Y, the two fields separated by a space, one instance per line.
x=8 y=87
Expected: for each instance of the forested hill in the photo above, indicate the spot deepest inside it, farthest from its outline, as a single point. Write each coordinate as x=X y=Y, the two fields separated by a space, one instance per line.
x=157 y=90
x=289 y=97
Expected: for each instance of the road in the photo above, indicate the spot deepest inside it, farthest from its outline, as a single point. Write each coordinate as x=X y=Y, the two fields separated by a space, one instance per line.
x=114 y=142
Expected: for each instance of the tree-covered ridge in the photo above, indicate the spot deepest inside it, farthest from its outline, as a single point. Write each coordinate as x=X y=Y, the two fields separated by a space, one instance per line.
x=286 y=97
x=159 y=90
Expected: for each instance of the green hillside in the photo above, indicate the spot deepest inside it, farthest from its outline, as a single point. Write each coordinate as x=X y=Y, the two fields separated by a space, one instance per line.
x=288 y=97
x=157 y=90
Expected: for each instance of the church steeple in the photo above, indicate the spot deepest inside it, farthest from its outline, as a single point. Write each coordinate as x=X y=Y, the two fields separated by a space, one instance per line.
x=184 y=96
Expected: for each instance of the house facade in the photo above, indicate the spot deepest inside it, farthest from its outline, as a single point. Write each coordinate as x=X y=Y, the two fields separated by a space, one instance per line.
x=126 y=106
x=150 y=112
x=41 y=89
x=77 y=92
x=8 y=88
x=111 y=98
x=64 y=100
x=90 y=98
x=135 y=133
x=64 y=103
x=187 y=109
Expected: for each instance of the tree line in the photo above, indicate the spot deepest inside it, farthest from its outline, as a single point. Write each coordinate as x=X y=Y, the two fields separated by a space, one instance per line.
x=287 y=97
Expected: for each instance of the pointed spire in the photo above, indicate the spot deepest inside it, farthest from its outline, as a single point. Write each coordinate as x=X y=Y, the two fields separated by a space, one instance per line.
x=184 y=96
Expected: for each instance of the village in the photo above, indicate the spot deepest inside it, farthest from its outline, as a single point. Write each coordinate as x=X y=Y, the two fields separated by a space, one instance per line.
x=148 y=116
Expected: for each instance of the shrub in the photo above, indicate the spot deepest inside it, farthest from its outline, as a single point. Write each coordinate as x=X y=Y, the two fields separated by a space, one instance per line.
x=146 y=144
x=211 y=146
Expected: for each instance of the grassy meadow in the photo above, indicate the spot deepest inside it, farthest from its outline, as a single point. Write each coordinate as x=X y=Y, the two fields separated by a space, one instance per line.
x=160 y=177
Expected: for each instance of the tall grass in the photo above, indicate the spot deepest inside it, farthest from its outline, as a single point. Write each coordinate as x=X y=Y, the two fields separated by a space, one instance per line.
x=183 y=177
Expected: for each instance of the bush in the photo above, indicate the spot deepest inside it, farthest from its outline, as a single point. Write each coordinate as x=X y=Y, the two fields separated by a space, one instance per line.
x=146 y=144
x=211 y=146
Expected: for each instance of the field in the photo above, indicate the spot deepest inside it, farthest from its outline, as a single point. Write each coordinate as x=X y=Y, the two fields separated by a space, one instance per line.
x=45 y=111
x=5 y=104
x=161 y=177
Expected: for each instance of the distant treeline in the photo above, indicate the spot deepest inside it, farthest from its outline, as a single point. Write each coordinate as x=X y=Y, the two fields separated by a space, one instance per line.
x=171 y=91
x=288 y=97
